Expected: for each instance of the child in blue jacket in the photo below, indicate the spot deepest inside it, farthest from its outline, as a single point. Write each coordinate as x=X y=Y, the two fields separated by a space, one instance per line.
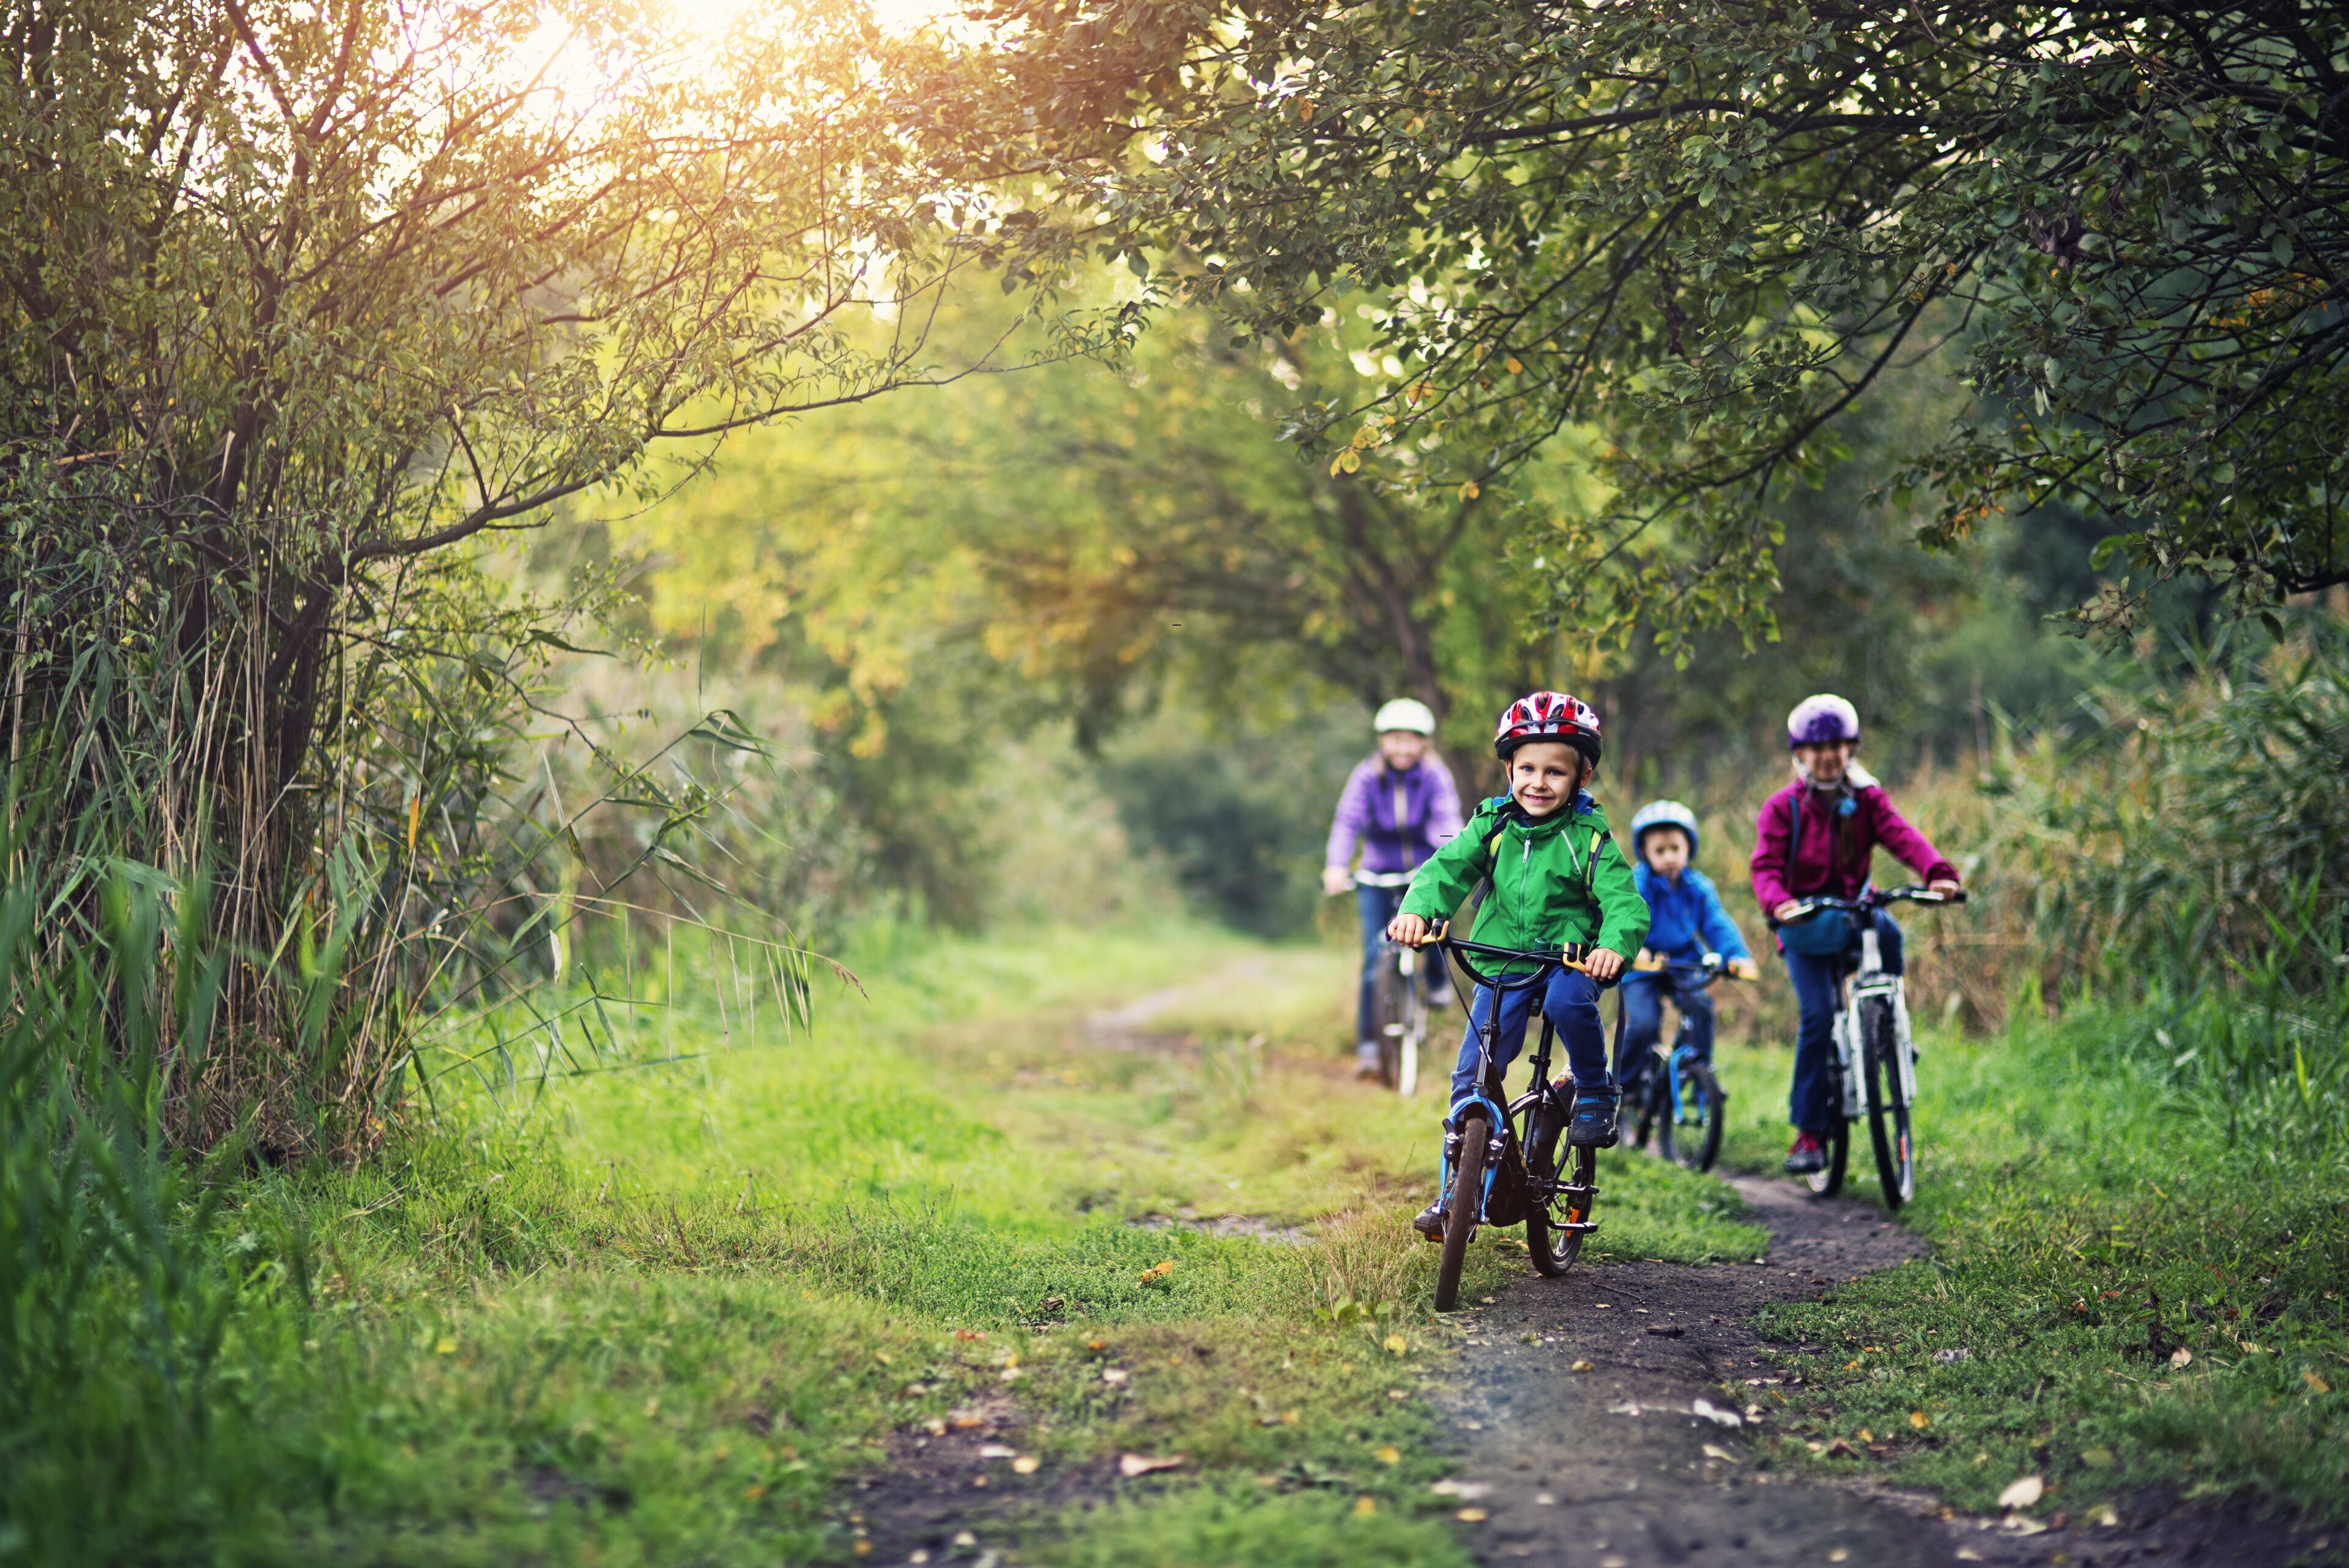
x=1685 y=921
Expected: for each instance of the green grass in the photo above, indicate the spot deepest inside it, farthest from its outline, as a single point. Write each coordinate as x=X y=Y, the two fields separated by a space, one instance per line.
x=666 y=1315
x=2090 y=1214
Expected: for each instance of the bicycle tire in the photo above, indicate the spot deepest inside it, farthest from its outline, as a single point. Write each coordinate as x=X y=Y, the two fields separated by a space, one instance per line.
x=1698 y=1152
x=1554 y=1250
x=1467 y=1207
x=1387 y=1020
x=1887 y=1114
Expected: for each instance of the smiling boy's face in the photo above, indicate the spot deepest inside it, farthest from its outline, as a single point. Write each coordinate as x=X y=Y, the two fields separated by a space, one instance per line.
x=1544 y=775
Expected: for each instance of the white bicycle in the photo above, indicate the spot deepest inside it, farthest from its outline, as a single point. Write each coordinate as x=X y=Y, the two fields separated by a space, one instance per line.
x=1874 y=1073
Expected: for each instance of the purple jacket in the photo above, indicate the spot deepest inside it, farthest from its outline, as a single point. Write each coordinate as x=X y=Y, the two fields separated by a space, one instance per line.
x=1837 y=850
x=1398 y=818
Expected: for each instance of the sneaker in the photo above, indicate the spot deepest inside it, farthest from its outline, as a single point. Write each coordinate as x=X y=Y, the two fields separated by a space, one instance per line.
x=1429 y=1221
x=1366 y=1059
x=1807 y=1155
x=1593 y=1126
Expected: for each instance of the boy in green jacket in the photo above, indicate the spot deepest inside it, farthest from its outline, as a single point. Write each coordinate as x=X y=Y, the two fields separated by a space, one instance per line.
x=1558 y=878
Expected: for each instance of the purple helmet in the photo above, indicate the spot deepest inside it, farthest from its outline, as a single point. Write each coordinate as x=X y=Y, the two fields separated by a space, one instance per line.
x=1820 y=720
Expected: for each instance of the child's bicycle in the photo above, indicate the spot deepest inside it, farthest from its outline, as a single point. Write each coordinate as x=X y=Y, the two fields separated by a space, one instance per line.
x=1680 y=1107
x=1502 y=1161
x=1874 y=1070
x=1399 y=1007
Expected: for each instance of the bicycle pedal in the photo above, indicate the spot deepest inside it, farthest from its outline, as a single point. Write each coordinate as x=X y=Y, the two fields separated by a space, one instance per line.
x=1575 y=1227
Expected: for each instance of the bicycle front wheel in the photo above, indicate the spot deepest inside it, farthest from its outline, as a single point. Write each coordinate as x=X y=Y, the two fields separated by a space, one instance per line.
x=1888 y=1109
x=1467 y=1207
x=1697 y=1116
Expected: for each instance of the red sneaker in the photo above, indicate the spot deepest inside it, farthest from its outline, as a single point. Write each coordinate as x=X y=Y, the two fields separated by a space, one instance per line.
x=1807 y=1155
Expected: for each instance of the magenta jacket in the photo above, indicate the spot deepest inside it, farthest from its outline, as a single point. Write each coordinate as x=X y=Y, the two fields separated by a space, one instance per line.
x=1836 y=851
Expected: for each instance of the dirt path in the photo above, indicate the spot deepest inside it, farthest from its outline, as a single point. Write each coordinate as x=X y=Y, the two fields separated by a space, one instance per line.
x=1613 y=1468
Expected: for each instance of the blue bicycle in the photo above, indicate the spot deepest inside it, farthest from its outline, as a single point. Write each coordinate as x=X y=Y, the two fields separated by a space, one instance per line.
x=1677 y=1106
x=1502 y=1161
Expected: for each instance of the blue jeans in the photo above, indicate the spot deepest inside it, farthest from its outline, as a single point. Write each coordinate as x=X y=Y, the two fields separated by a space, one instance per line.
x=1376 y=906
x=1571 y=1002
x=1818 y=991
x=1644 y=996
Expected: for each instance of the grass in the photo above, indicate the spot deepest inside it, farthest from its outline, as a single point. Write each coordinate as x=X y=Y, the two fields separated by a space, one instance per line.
x=2092 y=1216
x=669 y=1315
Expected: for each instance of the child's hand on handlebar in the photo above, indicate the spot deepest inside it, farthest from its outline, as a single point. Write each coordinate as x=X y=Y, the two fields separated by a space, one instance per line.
x=1410 y=930
x=1944 y=886
x=1744 y=968
x=1603 y=965
x=1786 y=911
x=1336 y=879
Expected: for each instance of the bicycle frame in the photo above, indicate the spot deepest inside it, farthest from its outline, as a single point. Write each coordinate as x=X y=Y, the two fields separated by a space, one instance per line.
x=1500 y=1120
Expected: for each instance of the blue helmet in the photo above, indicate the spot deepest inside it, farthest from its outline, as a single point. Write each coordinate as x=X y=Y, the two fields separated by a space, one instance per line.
x=1663 y=814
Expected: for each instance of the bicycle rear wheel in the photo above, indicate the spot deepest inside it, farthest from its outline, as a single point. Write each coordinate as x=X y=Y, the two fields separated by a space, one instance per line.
x=1696 y=1116
x=1553 y=1226
x=1836 y=1142
x=1888 y=1111
x=1467 y=1207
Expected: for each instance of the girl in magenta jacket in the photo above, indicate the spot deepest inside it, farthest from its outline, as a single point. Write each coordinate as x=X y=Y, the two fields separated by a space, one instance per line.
x=1846 y=816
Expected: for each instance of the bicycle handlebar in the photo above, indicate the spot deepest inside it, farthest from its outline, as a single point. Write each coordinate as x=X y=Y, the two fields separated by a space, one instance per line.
x=1713 y=967
x=1871 y=900
x=1573 y=955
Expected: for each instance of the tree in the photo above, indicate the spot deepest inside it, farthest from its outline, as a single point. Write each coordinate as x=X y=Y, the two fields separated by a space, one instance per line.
x=1100 y=534
x=301 y=300
x=1681 y=240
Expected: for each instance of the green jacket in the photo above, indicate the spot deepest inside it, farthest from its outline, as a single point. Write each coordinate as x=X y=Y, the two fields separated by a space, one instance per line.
x=1546 y=889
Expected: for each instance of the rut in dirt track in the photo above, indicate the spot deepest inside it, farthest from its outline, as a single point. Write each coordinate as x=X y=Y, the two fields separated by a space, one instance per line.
x=1612 y=1467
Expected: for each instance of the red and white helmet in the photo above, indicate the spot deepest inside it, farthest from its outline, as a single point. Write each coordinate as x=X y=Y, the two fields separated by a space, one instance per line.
x=1548 y=716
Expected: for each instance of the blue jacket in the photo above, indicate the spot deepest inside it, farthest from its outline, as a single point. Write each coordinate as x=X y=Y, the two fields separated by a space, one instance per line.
x=1685 y=919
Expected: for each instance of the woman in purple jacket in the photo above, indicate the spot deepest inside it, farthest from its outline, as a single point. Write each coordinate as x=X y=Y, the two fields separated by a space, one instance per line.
x=1845 y=816
x=1398 y=805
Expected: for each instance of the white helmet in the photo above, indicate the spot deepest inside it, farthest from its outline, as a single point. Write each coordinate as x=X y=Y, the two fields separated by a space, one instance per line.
x=1404 y=713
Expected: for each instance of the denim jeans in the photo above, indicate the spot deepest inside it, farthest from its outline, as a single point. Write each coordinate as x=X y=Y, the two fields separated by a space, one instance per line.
x=1818 y=991
x=1644 y=996
x=1570 y=1001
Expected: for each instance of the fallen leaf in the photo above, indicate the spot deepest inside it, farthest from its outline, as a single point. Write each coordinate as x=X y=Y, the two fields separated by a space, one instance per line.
x=1388 y=1455
x=1290 y=1417
x=997 y=1452
x=2096 y=1459
x=1026 y=1465
x=1114 y=1375
x=1714 y=1413
x=446 y=1347
x=1470 y=1516
x=1918 y=1420
x=2308 y=1376
x=1132 y=1465
x=2023 y=1493
x=2022 y=1524
x=1398 y=1343
x=1866 y=1436
x=1398 y=1394
x=964 y=1420
x=1365 y=1505
x=2106 y=1517
x=1839 y=1446
x=1715 y=1451
x=2181 y=1356
x=1967 y=1555
x=1840 y=1554
x=1466 y=1491
x=1585 y=1366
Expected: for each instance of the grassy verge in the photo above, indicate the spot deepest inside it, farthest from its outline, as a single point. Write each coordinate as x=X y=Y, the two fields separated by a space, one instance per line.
x=2136 y=1282
x=669 y=1314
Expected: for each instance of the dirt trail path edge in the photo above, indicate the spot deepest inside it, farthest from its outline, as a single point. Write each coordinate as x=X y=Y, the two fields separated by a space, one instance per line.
x=1616 y=1466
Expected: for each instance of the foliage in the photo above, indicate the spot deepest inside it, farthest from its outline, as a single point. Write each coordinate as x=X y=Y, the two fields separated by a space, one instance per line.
x=1702 y=234
x=2196 y=833
x=303 y=303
